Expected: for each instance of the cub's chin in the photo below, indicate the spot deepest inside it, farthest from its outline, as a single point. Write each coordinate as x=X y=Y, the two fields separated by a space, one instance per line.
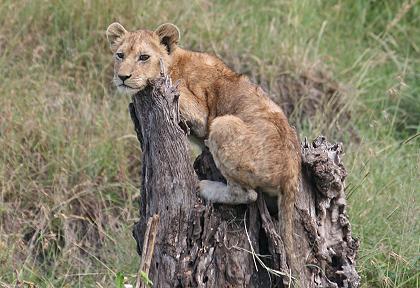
x=127 y=90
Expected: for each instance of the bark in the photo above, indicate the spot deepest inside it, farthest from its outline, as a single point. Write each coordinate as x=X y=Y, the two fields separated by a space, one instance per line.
x=205 y=245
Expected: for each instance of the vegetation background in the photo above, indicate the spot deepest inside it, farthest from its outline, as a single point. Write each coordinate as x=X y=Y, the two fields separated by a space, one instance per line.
x=69 y=160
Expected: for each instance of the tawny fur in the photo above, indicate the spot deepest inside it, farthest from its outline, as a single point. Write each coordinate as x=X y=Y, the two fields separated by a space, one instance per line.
x=248 y=135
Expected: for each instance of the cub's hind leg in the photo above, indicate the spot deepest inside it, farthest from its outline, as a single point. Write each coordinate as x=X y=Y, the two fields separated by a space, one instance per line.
x=229 y=144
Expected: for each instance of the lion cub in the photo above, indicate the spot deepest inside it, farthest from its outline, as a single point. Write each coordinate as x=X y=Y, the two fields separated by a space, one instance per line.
x=248 y=135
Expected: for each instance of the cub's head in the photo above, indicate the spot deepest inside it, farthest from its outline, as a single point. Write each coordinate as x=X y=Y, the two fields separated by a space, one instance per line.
x=137 y=54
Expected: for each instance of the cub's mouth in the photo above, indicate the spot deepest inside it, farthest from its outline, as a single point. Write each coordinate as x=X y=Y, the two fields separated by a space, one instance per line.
x=125 y=86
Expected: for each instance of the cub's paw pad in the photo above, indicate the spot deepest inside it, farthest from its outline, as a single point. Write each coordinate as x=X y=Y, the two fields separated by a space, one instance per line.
x=252 y=195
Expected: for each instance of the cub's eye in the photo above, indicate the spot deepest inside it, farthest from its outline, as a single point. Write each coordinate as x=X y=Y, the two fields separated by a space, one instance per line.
x=120 y=55
x=143 y=57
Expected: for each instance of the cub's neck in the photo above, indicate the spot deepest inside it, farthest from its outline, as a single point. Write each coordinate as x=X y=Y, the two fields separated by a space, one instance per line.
x=197 y=68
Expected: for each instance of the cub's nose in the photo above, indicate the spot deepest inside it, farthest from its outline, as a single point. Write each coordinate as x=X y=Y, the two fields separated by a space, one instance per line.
x=124 y=77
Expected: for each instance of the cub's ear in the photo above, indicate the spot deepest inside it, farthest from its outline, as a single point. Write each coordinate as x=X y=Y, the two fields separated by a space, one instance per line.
x=114 y=34
x=169 y=36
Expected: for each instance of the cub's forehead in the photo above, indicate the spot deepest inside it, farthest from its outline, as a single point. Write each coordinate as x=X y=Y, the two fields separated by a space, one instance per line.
x=141 y=40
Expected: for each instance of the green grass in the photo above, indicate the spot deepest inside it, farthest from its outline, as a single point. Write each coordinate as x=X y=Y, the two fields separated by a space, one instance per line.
x=69 y=161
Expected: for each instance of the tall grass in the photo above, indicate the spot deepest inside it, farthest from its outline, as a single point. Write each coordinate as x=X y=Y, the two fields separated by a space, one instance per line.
x=69 y=160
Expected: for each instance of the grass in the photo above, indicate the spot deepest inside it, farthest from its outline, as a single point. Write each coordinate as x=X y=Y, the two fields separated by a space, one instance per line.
x=69 y=162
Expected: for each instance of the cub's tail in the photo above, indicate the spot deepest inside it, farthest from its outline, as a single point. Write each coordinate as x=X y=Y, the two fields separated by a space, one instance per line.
x=286 y=205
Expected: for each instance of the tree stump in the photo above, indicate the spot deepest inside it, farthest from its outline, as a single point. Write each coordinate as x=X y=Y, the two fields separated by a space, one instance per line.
x=212 y=245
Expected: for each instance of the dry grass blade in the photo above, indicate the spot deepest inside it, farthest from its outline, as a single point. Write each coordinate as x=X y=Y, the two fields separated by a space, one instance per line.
x=147 y=252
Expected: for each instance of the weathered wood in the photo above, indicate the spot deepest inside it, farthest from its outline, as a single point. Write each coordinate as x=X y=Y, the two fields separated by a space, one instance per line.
x=328 y=249
x=205 y=245
x=168 y=181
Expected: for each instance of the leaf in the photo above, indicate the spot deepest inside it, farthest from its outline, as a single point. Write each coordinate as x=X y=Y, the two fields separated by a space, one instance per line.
x=119 y=280
x=145 y=278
